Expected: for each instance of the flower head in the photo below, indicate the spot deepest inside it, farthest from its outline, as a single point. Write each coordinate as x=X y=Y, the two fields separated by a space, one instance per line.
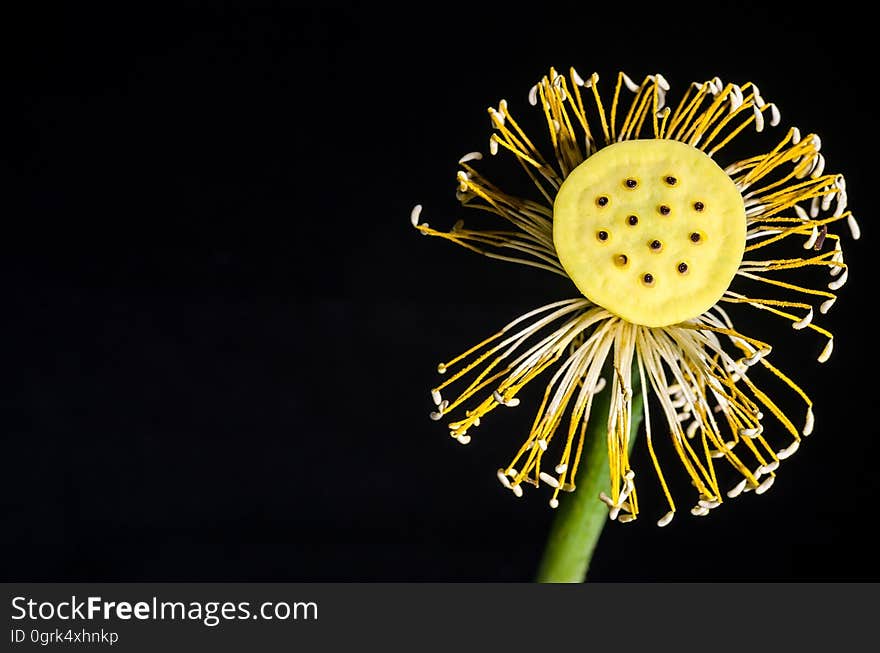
x=657 y=235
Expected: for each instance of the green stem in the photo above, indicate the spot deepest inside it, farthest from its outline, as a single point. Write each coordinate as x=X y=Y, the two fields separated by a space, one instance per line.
x=581 y=516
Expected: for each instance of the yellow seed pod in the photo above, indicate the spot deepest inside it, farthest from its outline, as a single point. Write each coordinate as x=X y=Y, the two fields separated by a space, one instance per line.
x=652 y=230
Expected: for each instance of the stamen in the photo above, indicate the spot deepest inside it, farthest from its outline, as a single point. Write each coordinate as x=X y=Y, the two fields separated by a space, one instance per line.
x=661 y=82
x=808 y=422
x=471 y=156
x=837 y=283
x=823 y=233
x=819 y=167
x=765 y=485
x=665 y=519
x=802 y=323
x=824 y=306
x=737 y=489
x=759 y=118
x=630 y=84
x=782 y=454
x=826 y=353
x=752 y=432
x=814 y=236
x=854 y=229
x=769 y=467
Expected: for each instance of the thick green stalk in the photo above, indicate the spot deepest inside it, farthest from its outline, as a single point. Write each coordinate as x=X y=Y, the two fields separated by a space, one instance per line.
x=581 y=516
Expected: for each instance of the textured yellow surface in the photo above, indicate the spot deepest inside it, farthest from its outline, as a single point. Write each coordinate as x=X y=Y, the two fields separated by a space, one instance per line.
x=652 y=230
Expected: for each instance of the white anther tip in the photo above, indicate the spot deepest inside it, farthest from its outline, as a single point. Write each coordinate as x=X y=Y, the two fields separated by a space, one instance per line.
x=808 y=422
x=737 y=489
x=542 y=444
x=826 y=353
x=554 y=503
x=435 y=395
x=561 y=468
x=493 y=145
x=765 y=485
x=814 y=236
x=441 y=368
x=759 y=118
x=630 y=84
x=838 y=283
x=577 y=78
x=511 y=403
x=826 y=305
x=774 y=115
x=471 y=156
x=464 y=439
x=752 y=432
x=517 y=490
x=415 y=214
x=802 y=323
x=549 y=480
x=533 y=95
x=854 y=229
x=699 y=511
x=502 y=478
x=735 y=102
x=661 y=82
x=789 y=450
x=665 y=519
x=435 y=415
x=625 y=519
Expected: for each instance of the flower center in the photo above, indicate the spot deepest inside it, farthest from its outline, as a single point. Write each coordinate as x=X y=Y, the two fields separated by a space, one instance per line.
x=652 y=230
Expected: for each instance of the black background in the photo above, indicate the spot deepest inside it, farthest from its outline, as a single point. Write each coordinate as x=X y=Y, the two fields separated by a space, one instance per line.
x=220 y=330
